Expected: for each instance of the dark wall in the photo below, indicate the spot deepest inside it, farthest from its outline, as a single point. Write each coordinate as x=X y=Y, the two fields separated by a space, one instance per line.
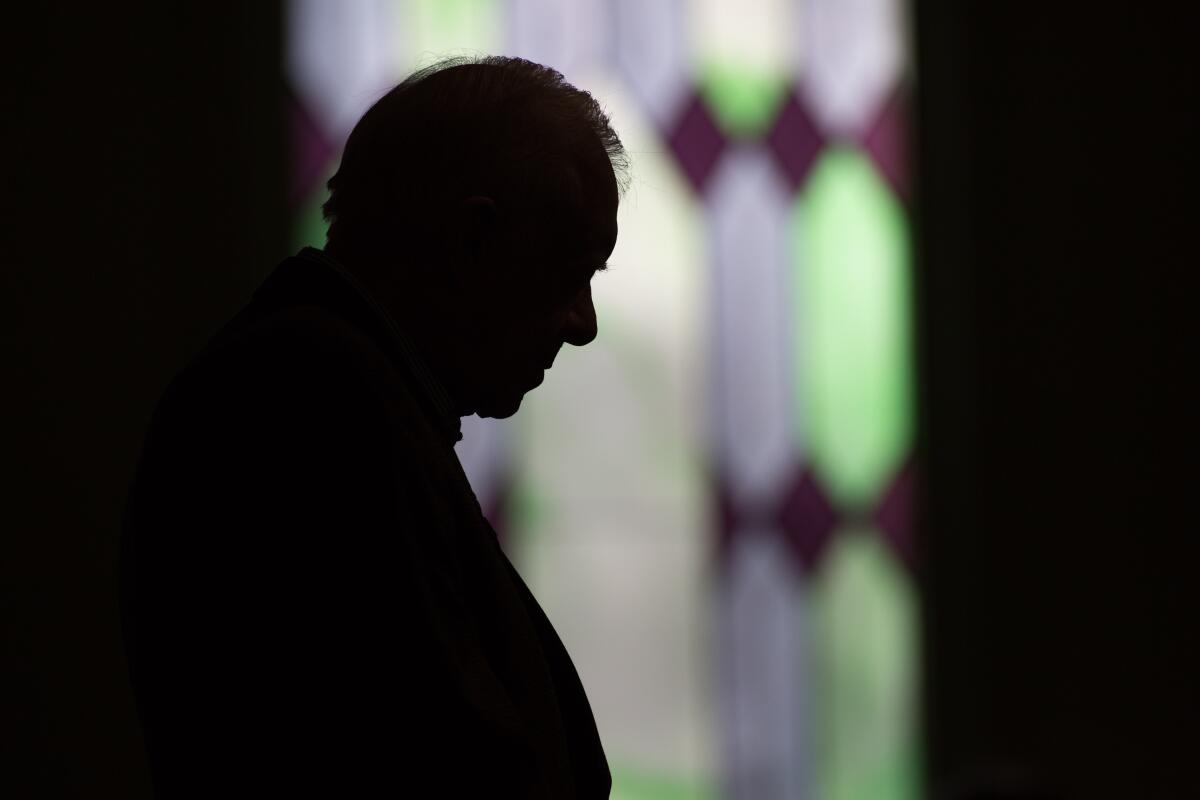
x=144 y=199
x=1057 y=158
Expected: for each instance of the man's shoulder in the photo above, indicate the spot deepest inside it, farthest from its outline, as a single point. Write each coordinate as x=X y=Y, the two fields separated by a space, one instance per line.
x=287 y=344
x=295 y=332
x=301 y=361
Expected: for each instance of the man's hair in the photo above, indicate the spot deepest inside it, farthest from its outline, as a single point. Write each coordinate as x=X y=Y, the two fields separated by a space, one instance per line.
x=492 y=125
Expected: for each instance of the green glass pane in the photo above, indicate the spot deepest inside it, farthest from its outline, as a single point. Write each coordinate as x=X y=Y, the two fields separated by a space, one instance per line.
x=610 y=529
x=632 y=783
x=531 y=513
x=615 y=424
x=433 y=29
x=851 y=286
x=743 y=53
x=864 y=670
x=743 y=100
x=309 y=226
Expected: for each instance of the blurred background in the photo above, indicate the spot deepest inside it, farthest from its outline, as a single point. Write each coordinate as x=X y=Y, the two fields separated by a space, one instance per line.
x=867 y=487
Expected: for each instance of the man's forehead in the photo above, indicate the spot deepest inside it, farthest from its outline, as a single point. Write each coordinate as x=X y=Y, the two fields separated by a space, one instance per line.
x=577 y=218
x=593 y=215
x=589 y=230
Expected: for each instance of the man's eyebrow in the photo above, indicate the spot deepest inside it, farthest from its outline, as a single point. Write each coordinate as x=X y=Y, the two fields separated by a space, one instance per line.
x=594 y=261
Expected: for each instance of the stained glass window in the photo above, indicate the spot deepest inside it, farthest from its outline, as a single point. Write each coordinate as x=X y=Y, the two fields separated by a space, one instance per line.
x=712 y=500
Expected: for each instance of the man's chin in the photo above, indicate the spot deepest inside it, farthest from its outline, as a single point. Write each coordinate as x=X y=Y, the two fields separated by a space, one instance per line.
x=500 y=407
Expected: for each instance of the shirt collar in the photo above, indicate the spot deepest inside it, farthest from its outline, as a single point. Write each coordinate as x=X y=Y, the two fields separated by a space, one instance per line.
x=435 y=393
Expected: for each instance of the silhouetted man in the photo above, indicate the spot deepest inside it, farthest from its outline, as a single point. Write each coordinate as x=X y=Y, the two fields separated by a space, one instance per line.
x=313 y=603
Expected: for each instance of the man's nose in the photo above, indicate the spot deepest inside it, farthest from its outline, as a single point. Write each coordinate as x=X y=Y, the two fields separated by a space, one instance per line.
x=580 y=327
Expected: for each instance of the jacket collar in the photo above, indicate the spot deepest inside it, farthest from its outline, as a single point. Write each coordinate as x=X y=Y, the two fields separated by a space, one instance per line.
x=315 y=270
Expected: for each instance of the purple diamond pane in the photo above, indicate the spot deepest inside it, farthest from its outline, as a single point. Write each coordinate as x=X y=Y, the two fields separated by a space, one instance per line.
x=887 y=142
x=696 y=142
x=733 y=518
x=894 y=515
x=726 y=518
x=795 y=141
x=807 y=519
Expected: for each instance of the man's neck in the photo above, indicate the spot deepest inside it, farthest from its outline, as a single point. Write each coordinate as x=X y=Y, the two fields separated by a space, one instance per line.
x=416 y=310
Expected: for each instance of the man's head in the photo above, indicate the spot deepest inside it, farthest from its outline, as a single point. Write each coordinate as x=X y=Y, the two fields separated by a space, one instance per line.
x=478 y=198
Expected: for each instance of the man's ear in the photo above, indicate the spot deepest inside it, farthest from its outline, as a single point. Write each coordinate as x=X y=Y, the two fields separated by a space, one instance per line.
x=476 y=220
x=473 y=229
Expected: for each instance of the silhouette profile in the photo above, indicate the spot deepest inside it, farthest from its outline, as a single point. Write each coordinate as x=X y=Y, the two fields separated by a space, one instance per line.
x=312 y=601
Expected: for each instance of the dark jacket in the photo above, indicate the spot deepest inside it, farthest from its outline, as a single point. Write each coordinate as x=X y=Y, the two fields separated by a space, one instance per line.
x=312 y=601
